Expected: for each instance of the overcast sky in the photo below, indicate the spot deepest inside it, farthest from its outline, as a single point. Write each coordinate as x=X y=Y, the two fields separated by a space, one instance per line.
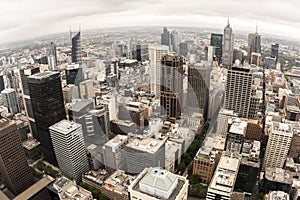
x=26 y=19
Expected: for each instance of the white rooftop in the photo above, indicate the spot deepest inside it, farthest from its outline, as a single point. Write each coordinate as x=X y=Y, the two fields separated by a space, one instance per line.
x=64 y=126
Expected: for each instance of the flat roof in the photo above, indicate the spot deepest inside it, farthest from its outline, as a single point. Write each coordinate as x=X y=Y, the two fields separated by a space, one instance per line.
x=30 y=144
x=42 y=75
x=238 y=127
x=34 y=189
x=116 y=141
x=65 y=126
x=149 y=145
x=278 y=175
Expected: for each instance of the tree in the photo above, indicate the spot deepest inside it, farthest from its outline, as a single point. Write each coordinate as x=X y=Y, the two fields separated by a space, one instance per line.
x=197 y=190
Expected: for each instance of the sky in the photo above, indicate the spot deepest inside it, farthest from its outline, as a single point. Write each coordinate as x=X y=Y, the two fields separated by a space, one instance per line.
x=27 y=19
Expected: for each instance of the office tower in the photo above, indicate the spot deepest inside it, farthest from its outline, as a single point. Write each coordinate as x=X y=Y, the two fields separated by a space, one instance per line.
x=68 y=144
x=238 y=55
x=227 y=59
x=210 y=54
x=76 y=47
x=270 y=62
x=9 y=98
x=255 y=59
x=86 y=89
x=165 y=37
x=254 y=44
x=222 y=120
x=216 y=40
x=52 y=56
x=275 y=51
x=205 y=163
x=238 y=90
x=74 y=74
x=13 y=164
x=171 y=86
x=157 y=183
x=53 y=52
x=101 y=121
x=223 y=181
x=147 y=152
x=142 y=52
x=155 y=55
x=278 y=145
x=198 y=87
x=113 y=154
x=2 y=86
x=48 y=108
x=183 y=49
x=174 y=41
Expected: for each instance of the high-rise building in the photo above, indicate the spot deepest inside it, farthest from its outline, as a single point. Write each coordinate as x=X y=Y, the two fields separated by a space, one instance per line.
x=238 y=90
x=48 y=108
x=155 y=55
x=13 y=164
x=52 y=56
x=9 y=98
x=198 y=87
x=174 y=41
x=68 y=143
x=141 y=52
x=254 y=44
x=275 y=51
x=278 y=145
x=171 y=88
x=76 y=47
x=227 y=59
x=165 y=37
x=2 y=86
x=74 y=74
x=183 y=48
x=86 y=89
x=216 y=40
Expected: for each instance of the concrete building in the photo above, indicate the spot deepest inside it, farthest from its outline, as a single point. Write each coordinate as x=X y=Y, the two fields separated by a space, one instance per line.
x=277 y=179
x=76 y=47
x=171 y=86
x=254 y=44
x=155 y=55
x=254 y=130
x=165 y=37
x=113 y=154
x=216 y=40
x=227 y=59
x=140 y=154
x=9 y=98
x=13 y=164
x=74 y=74
x=68 y=143
x=295 y=144
x=69 y=190
x=238 y=90
x=235 y=136
x=273 y=195
x=223 y=181
x=205 y=163
x=70 y=92
x=86 y=89
x=156 y=183
x=278 y=145
x=255 y=59
x=222 y=121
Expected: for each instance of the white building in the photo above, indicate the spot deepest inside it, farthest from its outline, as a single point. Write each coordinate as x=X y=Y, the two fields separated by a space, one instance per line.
x=227 y=46
x=155 y=55
x=277 y=195
x=156 y=183
x=70 y=152
x=223 y=181
x=9 y=99
x=86 y=89
x=278 y=145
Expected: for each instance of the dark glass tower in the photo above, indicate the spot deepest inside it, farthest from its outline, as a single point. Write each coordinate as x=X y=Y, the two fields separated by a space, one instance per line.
x=165 y=37
x=216 y=40
x=76 y=47
x=274 y=51
x=13 y=164
x=171 y=88
x=48 y=108
x=1 y=83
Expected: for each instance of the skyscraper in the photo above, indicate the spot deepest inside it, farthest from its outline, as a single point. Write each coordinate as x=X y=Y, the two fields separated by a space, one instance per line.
x=76 y=47
x=216 y=40
x=183 y=48
x=238 y=90
x=274 y=51
x=2 y=86
x=171 y=89
x=13 y=164
x=278 y=145
x=68 y=143
x=48 y=108
x=52 y=56
x=9 y=98
x=174 y=41
x=254 y=44
x=165 y=37
x=155 y=55
x=74 y=74
x=198 y=87
x=227 y=46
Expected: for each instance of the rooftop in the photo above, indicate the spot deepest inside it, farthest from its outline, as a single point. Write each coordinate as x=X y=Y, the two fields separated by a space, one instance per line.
x=65 y=126
x=42 y=75
x=118 y=181
x=216 y=141
x=278 y=175
x=30 y=144
x=149 y=145
x=116 y=141
x=278 y=195
x=238 y=127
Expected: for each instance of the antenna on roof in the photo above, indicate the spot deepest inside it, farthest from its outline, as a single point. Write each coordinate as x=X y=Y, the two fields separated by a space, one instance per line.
x=228 y=21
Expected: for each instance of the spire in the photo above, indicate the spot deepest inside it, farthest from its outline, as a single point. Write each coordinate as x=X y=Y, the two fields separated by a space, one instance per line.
x=228 y=24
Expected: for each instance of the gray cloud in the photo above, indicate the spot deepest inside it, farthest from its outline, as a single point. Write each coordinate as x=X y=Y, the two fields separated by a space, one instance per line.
x=23 y=19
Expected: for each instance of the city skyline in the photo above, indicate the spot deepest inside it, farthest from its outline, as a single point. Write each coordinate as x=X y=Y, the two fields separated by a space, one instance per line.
x=55 y=16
